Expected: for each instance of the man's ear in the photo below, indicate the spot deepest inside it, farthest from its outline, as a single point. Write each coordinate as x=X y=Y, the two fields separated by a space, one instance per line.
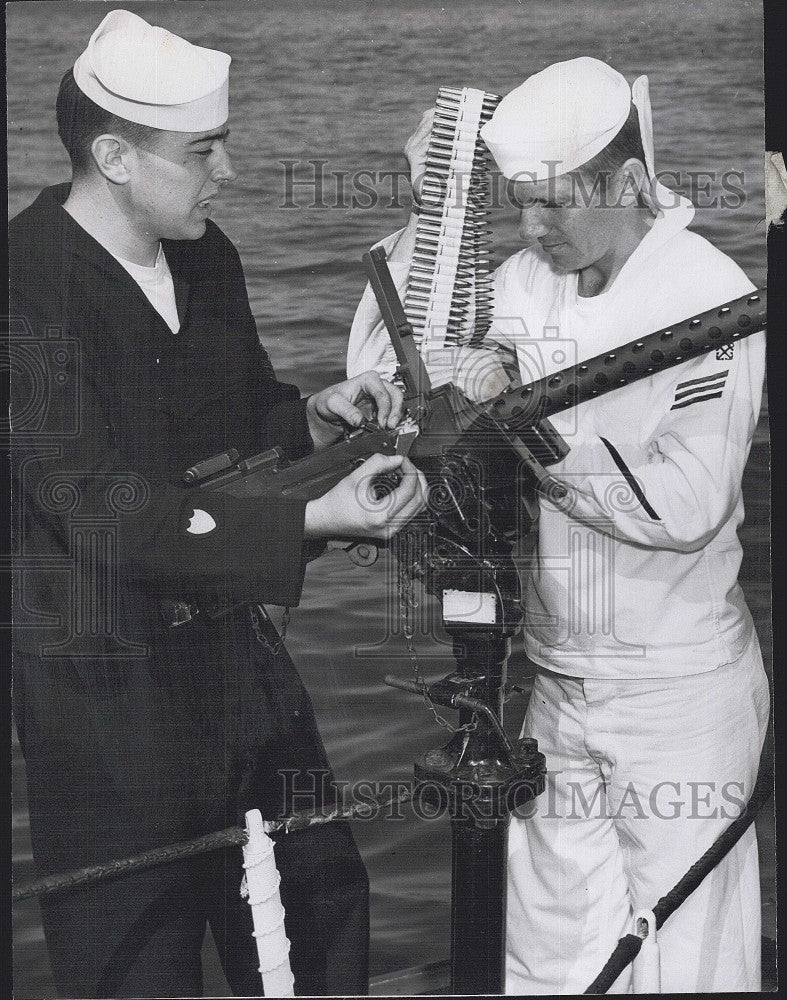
x=629 y=180
x=112 y=156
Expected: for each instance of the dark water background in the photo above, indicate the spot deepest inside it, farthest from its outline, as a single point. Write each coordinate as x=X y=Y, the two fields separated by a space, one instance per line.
x=346 y=83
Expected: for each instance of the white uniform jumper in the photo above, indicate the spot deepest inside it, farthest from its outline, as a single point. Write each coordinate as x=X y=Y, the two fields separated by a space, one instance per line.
x=651 y=702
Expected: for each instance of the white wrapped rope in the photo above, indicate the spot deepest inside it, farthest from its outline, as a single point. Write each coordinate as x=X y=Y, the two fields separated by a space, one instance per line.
x=646 y=968
x=261 y=886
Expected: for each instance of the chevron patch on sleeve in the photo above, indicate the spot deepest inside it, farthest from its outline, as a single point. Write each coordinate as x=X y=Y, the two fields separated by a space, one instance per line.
x=697 y=390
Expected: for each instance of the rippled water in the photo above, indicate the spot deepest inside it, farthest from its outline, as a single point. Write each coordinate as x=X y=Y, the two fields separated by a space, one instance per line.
x=346 y=83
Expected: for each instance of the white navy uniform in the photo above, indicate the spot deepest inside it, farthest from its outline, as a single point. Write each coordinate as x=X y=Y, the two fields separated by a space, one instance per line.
x=651 y=702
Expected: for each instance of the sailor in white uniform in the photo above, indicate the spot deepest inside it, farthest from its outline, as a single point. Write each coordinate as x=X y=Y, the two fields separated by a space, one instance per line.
x=650 y=702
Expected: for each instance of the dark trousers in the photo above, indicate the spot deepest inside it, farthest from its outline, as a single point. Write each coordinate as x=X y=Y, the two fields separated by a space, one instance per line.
x=129 y=755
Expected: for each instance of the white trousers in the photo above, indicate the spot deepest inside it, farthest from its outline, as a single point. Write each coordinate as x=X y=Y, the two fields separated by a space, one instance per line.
x=643 y=776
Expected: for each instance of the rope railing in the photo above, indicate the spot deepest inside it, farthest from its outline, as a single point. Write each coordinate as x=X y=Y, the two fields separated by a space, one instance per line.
x=628 y=947
x=626 y=950
x=233 y=836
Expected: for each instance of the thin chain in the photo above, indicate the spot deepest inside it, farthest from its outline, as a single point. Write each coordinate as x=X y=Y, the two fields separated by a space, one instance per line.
x=255 y=624
x=406 y=551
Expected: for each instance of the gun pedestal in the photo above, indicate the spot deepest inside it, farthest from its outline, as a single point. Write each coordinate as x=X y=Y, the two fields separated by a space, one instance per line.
x=481 y=776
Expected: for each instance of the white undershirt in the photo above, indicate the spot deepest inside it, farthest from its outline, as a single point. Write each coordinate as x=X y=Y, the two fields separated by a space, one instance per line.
x=156 y=282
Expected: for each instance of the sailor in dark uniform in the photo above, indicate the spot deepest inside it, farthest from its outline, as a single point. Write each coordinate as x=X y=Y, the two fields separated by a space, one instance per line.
x=153 y=697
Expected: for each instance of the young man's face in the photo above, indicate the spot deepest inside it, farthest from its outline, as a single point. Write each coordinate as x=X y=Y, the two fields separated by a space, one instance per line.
x=575 y=223
x=175 y=180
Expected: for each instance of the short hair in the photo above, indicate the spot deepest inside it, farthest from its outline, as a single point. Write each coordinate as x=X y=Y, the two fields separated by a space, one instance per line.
x=80 y=120
x=626 y=145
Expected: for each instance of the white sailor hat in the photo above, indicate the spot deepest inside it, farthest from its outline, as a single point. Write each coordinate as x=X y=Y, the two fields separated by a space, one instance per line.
x=565 y=115
x=147 y=75
x=558 y=119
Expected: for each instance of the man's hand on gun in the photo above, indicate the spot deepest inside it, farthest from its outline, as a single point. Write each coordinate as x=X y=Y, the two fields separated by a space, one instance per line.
x=356 y=507
x=347 y=404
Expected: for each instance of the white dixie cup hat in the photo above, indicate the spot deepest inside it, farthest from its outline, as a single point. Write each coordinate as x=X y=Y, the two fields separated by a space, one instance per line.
x=565 y=115
x=147 y=75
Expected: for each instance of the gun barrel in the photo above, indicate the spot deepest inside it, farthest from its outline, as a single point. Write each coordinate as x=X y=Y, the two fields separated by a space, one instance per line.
x=718 y=327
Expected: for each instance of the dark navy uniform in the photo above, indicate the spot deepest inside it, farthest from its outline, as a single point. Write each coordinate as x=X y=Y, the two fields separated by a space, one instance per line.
x=138 y=732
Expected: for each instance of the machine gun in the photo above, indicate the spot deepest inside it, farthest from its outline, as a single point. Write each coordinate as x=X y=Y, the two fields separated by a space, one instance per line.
x=451 y=439
x=484 y=464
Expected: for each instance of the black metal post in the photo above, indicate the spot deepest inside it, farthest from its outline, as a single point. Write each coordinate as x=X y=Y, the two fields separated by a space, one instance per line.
x=484 y=776
x=479 y=845
x=478 y=905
